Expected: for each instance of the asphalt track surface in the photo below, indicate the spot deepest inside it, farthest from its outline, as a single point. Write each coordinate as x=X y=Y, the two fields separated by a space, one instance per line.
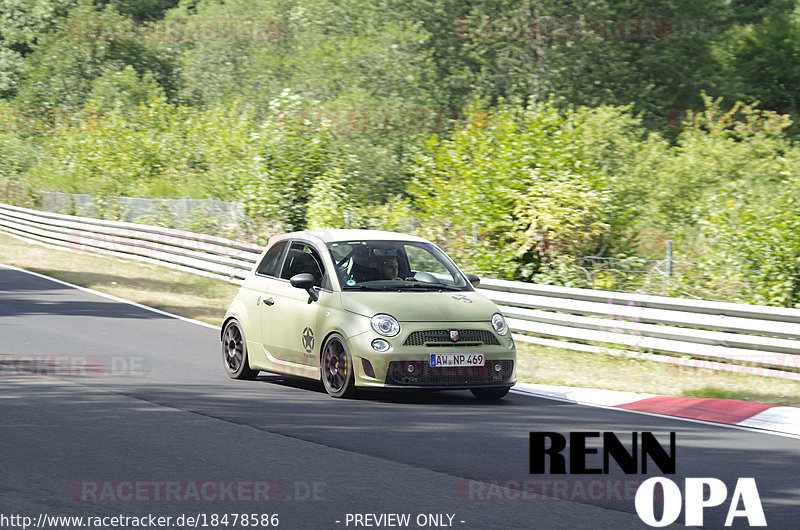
x=147 y=401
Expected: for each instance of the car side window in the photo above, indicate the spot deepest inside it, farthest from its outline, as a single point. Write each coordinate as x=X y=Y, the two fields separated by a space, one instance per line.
x=272 y=260
x=303 y=258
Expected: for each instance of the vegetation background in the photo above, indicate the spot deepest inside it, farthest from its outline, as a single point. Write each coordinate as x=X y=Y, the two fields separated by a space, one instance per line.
x=553 y=141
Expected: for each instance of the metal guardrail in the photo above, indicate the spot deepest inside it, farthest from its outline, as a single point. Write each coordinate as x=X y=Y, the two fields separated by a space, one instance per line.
x=197 y=253
x=696 y=333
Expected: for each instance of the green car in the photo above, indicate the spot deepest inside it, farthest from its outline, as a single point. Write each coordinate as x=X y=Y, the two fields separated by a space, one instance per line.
x=367 y=309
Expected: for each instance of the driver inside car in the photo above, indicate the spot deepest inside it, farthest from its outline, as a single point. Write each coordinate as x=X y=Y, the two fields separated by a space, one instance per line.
x=388 y=268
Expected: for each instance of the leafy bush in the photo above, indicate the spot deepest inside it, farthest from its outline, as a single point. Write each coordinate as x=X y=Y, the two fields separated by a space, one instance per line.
x=510 y=194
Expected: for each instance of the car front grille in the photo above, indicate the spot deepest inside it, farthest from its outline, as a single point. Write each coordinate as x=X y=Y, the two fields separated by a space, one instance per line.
x=425 y=375
x=441 y=338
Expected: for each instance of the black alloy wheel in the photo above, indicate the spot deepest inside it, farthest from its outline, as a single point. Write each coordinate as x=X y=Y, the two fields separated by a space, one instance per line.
x=234 y=352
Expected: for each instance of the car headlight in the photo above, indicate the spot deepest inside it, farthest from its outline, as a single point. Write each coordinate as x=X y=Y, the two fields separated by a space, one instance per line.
x=499 y=324
x=386 y=325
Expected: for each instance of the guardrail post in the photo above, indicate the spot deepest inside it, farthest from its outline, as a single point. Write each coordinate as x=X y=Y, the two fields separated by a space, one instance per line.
x=669 y=258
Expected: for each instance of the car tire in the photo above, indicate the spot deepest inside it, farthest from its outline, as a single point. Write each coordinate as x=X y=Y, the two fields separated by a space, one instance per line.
x=336 y=367
x=490 y=394
x=234 y=352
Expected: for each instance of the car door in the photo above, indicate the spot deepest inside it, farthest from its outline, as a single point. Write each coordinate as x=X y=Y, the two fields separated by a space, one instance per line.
x=290 y=325
x=255 y=298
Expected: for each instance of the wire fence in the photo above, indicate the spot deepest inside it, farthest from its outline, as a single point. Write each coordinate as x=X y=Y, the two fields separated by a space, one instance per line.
x=135 y=208
x=210 y=215
x=668 y=277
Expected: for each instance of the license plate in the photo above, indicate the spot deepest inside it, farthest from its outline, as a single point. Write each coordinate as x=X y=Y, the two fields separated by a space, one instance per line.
x=457 y=359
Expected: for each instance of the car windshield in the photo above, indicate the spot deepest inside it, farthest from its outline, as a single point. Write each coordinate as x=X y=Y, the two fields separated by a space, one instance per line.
x=395 y=266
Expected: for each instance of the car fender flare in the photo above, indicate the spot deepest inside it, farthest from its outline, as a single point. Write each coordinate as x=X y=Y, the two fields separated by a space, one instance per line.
x=328 y=334
x=225 y=323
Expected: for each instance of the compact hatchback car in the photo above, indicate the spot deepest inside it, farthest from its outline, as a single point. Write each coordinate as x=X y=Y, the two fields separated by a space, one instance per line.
x=367 y=309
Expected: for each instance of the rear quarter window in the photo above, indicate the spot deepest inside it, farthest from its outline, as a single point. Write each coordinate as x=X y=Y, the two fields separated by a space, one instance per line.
x=271 y=261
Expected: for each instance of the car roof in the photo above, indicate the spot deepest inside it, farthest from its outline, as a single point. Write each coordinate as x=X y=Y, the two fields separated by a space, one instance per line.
x=346 y=234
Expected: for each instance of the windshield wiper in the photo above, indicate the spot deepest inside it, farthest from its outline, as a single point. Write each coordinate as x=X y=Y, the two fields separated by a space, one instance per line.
x=364 y=287
x=431 y=286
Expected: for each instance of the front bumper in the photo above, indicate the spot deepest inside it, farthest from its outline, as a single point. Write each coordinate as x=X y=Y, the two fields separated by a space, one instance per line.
x=407 y=362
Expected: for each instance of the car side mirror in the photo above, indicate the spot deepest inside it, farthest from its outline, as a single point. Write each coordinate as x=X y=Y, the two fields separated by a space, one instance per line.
x=306 y=281
x=474 y=280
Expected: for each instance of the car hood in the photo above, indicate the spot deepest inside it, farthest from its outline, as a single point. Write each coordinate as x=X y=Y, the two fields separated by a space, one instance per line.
x=420 y=307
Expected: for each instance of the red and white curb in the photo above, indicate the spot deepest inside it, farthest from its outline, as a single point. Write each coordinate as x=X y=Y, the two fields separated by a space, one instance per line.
x=773 y=418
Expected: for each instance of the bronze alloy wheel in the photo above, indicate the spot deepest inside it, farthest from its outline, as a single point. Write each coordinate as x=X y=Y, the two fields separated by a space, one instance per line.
x=336 y=367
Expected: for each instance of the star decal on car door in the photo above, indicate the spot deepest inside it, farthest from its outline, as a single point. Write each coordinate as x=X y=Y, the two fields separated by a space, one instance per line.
x=308 y=339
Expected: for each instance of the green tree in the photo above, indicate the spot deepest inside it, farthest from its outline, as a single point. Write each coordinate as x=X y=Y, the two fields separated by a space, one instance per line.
x=626 y=155
x=59 y=73
x=328 y=204
x=123 y=89
x=655 y=55
x=759 y=56
x=717 y=147
x=142 y=9
x=154 y=149
x=293 y=156
x=510 y=195
x=358 y=65
x=22 y=25
x=755 y=236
